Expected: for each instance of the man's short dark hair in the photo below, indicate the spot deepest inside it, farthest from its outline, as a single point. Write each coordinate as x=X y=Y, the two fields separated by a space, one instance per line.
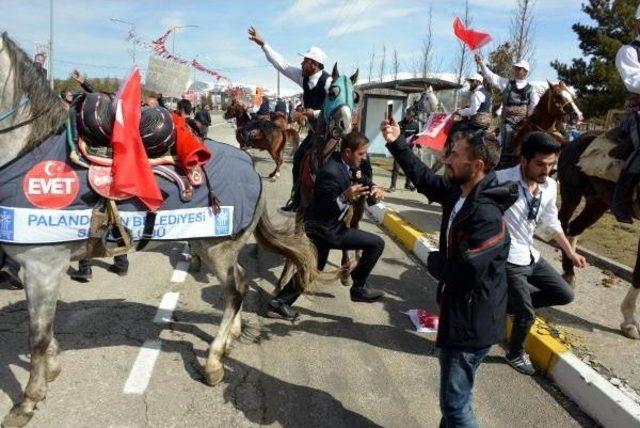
x=485 y=146
x=353 y=141
x=184 y=105
x=536 y=143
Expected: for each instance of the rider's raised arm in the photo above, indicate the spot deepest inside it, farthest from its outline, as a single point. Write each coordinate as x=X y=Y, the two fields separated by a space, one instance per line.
x=629 y=68
x=493 y=79
x=292 y=72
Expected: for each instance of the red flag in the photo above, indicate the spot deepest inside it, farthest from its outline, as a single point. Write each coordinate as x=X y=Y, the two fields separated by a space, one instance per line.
x=436 y=132
x=132 y=174
x=472 y=38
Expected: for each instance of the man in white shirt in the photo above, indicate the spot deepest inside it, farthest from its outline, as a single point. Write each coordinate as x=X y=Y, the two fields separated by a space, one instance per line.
x=535 y=209
x=628 y=65
x=518 y=97
x=477 y=114
x=315 y=83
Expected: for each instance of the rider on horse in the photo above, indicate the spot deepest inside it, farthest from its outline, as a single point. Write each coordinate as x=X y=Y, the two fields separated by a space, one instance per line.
x=518 y=97
x=477 y=115
x=628 y=65
x=314 y=81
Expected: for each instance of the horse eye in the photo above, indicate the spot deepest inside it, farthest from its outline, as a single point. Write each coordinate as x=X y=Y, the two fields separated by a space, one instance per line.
x=356 y=98
x=334 y=91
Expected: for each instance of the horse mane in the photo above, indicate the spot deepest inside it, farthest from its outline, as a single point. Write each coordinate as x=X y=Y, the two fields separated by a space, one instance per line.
x=43 y=101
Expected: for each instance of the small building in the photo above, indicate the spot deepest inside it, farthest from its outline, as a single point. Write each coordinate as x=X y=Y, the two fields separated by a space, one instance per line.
x=394 y=96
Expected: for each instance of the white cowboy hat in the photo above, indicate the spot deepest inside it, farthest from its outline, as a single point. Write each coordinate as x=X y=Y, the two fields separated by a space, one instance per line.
x=476 y=76
x=638 y=13
x=316 y=54
x=522 y=64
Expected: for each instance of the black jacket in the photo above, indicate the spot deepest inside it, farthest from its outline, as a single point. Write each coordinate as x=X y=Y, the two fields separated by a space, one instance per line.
x=471 y=265
x=324 y=216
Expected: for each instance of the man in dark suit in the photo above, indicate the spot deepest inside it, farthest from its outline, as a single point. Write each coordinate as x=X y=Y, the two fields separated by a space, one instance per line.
x=337 y=185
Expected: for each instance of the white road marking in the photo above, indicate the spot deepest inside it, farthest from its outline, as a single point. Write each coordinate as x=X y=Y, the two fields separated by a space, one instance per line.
x=143 y=367
x=180 y=272
x=165 y=310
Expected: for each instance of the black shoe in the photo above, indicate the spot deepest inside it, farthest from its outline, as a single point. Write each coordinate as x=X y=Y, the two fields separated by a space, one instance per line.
x=363 y=294
x=391 y=189
x=410 y=187
x=120 y=265
x=83 y=274
x=283 y=311
x=9 y=276
x=521 y=363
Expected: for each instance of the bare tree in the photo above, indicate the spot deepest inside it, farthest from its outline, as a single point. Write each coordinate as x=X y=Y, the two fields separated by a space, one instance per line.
x=427 y=46
x=382 y=62
x=462 y=61
x=371 y=62
x=522 y=30
x=396 y=64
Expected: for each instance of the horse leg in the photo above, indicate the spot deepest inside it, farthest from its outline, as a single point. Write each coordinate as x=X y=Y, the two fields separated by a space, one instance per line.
x=630 y=326
x=44 y=267
x=236 y=325
x=221 y=259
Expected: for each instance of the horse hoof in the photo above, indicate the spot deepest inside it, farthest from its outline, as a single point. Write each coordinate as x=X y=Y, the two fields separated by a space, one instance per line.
x=53 y=371
x=214 y=377
x=630 y=330
x=346 y=281
x=17 y=417
x=571 y=279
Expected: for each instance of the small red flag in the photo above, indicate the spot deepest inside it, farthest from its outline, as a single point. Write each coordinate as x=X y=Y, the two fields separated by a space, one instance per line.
x=436 y=132
x=472 y=38
x=132 y=174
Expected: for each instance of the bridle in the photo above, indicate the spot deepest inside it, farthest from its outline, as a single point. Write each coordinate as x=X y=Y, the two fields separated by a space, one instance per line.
x=558 y=105
x=12 y=111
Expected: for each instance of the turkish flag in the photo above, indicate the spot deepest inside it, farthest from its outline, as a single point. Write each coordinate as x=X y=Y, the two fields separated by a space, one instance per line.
x=436 y=132
x=190 y=150
x=132 y=174
x=472 y=38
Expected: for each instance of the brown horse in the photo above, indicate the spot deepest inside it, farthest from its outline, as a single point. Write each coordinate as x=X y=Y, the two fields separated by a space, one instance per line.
x=555 y=103
x=575 y=185
x=301 y=121
x=273 y=143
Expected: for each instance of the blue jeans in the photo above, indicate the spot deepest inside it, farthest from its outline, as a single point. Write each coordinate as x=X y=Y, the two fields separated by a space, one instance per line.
x=457 y=371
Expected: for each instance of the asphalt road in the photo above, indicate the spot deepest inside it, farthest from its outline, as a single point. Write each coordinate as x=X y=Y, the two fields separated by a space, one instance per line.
x=342 y=364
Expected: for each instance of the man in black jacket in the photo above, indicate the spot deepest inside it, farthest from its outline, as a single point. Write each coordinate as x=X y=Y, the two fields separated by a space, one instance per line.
x=474 y=245
x=339 y=183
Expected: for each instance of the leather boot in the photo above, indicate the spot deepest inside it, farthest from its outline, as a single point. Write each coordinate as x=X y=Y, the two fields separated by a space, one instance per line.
x=621 y=206
x=84 y=273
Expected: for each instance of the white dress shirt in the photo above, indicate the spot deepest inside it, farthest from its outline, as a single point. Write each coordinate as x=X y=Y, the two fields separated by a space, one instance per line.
x=502 y=82
x=628 y=66
x=292 y=72
x=517 y=217
x=475 y=101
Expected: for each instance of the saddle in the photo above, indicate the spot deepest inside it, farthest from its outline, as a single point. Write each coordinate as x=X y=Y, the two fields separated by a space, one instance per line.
x=605 y=157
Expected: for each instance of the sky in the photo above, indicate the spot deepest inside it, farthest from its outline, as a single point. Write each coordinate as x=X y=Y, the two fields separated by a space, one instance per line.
x=347 y=30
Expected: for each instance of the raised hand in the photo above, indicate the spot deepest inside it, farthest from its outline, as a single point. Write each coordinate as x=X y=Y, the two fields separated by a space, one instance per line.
x=254 y=36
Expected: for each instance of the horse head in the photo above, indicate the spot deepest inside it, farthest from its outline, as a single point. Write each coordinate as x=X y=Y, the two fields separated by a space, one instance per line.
x=559 y=101
x=29 y=109
x=340 y=103
x=427 y=103
x=235 y=110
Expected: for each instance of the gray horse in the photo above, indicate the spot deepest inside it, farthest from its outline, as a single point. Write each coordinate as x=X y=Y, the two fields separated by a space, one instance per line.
x=23 y=126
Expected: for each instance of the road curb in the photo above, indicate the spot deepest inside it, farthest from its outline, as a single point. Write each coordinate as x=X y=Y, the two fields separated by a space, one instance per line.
x=591 y=391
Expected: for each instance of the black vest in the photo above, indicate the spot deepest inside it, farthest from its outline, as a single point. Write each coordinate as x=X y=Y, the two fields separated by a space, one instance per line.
x=512 y=96
x=314 y=98
x=485 y=107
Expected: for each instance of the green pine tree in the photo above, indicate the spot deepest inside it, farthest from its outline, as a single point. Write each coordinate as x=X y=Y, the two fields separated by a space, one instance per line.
x=594 y=75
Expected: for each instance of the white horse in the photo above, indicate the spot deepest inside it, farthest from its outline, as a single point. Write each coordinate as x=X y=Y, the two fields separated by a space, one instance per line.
x=29 y=113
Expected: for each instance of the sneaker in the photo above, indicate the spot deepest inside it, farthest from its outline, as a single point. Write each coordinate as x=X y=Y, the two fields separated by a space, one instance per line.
x=281 y=311
x=521 y=363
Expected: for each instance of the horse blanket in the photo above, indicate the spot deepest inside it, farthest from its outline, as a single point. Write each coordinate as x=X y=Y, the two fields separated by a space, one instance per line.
x=45 y=198
x=596 y=161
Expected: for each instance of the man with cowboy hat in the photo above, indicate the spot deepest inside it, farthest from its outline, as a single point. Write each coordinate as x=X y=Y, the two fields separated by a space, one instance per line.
x=518 y=97
x=313 y=80
x=477 y=115
x=628 y=65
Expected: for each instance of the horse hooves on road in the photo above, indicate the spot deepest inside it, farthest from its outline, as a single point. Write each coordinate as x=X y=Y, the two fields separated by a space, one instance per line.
x=17 y=418
x=214 y=377
x=630 y=330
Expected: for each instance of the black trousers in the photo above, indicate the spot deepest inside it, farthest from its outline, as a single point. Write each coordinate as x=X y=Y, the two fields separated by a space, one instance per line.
x=551 y=290
x=394 y=175
x=351 y=239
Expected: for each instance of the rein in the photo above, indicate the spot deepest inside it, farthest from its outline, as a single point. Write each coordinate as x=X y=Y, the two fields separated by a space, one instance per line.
x=12 y=111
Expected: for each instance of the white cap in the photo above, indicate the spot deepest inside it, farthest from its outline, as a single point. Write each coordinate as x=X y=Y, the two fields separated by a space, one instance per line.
x=522 y=64
x=316 y=54
x=476 y=76
x=638 y=13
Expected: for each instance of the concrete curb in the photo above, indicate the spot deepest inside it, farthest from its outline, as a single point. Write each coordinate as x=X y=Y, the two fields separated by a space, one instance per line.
x=594 y=394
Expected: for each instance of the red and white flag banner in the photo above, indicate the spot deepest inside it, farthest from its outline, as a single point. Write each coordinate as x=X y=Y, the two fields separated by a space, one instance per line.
x=436 y=132
x=472 y=38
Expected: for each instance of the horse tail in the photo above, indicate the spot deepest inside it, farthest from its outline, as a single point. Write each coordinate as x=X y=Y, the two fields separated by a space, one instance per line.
x=293 y=138
x=295 y=246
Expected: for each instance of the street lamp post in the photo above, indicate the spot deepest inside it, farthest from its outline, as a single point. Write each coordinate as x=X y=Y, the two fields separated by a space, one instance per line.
x=51 y=43
x=132 y=31
x=173 y=37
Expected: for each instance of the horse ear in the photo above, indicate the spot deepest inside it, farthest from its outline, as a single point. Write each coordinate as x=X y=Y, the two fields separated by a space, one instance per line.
x=354 y=76
x=334 y=73
x=550 y=84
